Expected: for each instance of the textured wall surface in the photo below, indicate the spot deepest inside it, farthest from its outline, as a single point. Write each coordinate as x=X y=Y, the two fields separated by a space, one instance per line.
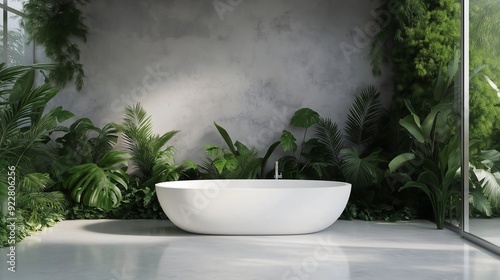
x=246 y=64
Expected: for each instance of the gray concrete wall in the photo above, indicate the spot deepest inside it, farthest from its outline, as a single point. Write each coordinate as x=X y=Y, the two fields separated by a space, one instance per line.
x=246 y=64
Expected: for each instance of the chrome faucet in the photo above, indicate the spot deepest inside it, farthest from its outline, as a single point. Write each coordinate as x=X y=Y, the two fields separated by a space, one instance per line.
x=276 y=174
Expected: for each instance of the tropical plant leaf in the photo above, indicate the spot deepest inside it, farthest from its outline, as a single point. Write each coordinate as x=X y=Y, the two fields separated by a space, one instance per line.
x=305 y=118
x=287 y=141
x=413 y=128
x=399 y=160
x=360 y=171
x=190 y=164
x=96 y=185
x=491 y=155
x=480 y=202
x=226 y=162
x=269 y=151
x=226 y=138
x=363 y=116
x=211 y=150
x=140 y=141
x=432 y=181
x=331 y=139
x=35 y=182
x=38 y=204
x=420 y=186
x=241 y=148
x=490 y=183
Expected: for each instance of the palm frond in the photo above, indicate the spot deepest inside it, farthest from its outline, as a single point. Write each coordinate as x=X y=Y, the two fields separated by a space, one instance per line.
x=330 y=138
x=363 y=116
x=35 y=182
x=140 y=141
x=41 y=201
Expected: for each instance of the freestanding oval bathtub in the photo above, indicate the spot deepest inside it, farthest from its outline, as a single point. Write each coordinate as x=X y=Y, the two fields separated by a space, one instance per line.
x=253 y=207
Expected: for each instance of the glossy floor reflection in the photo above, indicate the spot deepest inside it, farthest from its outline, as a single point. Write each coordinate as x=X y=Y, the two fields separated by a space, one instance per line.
x=144 y=249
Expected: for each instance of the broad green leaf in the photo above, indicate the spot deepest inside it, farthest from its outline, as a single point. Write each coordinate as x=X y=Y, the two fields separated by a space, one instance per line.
x=242 y=149
x=190 y=164
x=430 y=179
x=228 y=162
x=287 y=141
x=360 y=171
x=270 y=150
x=211 y=150
x=400 y=160
x=417 y=185
x=480 y=202
x=226 y=138
x=409 y=122
x=23 y=85
x=305 y=118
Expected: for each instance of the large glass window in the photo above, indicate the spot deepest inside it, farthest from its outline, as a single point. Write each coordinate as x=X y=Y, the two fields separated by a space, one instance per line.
x=14 y=49
x=484 y=120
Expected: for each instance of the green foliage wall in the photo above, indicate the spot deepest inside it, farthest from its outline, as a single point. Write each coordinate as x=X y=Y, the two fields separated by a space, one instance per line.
x=419 y=39
x=484 y=50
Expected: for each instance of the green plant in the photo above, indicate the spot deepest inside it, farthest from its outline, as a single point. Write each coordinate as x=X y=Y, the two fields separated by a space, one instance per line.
x=419 y=37
x=146 y=148
x=484 y=192
x=97 y=184
x=54 y=24
x=25 y=126
x=434 y=158
x=15 y=46
x=81 y=143
x=237 y=161
x=359 y=163
x=291 y=166
x=484 y=112
x=392 y=212
x=152 y=162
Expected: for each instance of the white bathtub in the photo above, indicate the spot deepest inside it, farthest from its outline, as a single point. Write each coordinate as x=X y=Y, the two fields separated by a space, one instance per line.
x=253 y=207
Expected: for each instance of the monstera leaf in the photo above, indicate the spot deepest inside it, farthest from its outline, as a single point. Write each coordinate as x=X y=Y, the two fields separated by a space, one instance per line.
x=305 y=118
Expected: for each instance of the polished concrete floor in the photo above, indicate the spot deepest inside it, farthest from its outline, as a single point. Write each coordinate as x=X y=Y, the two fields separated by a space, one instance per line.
x=487 y=229
x=146 y=249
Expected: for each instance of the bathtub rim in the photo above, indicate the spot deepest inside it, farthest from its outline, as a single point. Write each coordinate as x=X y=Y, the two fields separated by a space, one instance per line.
x=225 y=183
